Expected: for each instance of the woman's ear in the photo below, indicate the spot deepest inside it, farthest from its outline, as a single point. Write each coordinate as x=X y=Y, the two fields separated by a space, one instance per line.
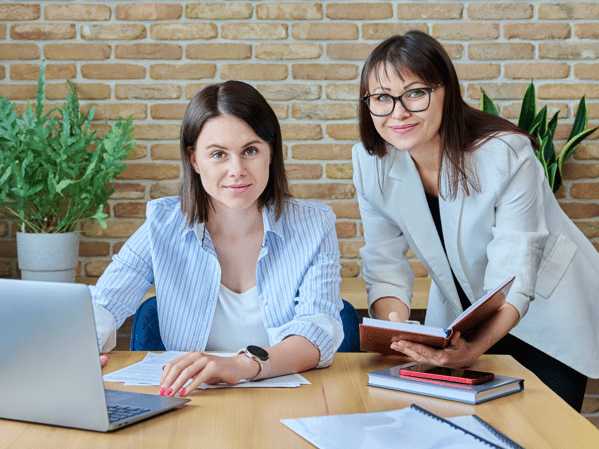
x=192 y=158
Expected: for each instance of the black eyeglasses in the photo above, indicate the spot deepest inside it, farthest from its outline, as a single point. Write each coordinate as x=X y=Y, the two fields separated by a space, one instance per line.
x=414 y=100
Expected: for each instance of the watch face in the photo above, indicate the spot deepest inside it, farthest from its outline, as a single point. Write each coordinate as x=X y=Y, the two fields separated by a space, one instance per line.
x=258 y=352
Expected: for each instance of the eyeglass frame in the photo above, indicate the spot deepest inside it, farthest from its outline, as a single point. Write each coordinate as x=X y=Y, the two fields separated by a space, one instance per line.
x=429 y=90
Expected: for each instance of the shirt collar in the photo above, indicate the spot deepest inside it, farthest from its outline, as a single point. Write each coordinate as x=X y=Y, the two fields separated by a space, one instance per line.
x=271 y=225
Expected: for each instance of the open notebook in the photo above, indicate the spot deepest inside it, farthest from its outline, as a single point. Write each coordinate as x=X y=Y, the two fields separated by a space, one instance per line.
x=407 y=428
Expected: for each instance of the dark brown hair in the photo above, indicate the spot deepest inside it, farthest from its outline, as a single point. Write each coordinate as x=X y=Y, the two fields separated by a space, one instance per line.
x=462 y=129
x=242 y=101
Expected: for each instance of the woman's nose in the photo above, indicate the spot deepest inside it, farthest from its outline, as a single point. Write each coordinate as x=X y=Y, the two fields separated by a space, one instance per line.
x=236 y=167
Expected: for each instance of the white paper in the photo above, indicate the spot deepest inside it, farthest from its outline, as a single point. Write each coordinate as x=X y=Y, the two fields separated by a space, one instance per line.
x=149 y=371
x=406 y=428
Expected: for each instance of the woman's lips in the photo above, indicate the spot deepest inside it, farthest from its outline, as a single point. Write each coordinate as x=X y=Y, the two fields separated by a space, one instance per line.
x=402 y=129
x=239 y=188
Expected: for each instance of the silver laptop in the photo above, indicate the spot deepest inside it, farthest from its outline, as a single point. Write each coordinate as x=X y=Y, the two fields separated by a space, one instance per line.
x=50 y=369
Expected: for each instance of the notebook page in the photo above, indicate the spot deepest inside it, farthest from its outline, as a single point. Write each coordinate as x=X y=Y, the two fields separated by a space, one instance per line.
x=406 y=428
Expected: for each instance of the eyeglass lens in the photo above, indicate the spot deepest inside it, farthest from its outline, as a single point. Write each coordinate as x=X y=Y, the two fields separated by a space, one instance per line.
x=414 y=100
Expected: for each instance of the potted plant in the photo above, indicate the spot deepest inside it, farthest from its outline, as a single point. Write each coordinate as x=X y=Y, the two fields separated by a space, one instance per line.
x=538 y=126
x=54 y=174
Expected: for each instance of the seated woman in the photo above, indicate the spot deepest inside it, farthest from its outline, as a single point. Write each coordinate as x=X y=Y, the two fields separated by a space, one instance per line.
x=464 y=190
x=235 y=260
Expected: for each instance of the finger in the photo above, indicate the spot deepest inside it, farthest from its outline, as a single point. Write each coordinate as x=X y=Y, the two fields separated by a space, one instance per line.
x=192 y=371
x=173 y=368
x=104 y=359
x=420 y=353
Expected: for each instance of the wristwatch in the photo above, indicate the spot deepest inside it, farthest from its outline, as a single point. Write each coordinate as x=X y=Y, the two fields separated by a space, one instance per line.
x=259 y=355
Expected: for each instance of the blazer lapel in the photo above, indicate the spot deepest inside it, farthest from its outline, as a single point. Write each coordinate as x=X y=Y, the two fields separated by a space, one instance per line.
x=418 y=225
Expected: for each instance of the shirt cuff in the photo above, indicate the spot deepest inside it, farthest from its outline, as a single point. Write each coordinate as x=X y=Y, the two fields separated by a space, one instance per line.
x=105 y=328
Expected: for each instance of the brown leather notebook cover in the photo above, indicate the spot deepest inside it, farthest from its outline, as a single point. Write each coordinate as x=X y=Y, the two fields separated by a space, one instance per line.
x=377 y=338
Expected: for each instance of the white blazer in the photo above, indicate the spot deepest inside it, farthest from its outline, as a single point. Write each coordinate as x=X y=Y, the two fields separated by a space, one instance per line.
x=513 y=227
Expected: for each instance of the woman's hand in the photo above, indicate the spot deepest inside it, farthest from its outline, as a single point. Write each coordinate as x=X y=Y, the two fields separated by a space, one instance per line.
x=458 y=354
x=204 y=368
x=104 y=359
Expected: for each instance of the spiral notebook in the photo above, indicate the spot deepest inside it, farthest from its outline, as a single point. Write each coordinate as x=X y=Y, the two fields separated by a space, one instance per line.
x=409 y=428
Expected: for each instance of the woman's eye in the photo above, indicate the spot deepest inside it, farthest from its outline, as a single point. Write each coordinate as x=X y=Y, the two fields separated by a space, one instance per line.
x=217 y=155
x=416 y=93
x=383 y=98
x=251 y=151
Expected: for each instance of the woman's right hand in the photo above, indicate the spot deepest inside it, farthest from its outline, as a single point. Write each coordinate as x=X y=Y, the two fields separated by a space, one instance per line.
x=104 y=359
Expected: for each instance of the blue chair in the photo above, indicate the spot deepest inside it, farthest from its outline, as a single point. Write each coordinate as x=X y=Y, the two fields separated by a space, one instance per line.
x=145 y=332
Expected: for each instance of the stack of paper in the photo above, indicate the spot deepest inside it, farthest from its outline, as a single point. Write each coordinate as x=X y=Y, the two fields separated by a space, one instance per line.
x=149 y=371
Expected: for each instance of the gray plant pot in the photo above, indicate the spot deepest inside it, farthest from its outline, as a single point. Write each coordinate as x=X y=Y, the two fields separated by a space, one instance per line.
x=48 y=257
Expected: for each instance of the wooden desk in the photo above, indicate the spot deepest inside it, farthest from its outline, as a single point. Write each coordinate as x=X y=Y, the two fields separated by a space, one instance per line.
x=249 y=418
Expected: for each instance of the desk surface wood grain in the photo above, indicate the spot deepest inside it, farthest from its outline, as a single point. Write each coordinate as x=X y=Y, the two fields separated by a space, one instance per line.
x=250 y=418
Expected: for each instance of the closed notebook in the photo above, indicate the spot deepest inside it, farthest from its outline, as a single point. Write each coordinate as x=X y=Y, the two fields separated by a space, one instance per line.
x=376 y=335
x=408 y=428
x=470 y=394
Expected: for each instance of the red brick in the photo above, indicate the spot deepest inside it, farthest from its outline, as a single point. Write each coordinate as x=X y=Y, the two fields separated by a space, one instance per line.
x=501 y=51
x=19 y=51
x=130 y=210
x=219 y=11
x=349 y=51
x=153 y=91
x=52 y=71
x=500 y=11
x=322 y=151
x=586 y=71
x=350 y=249
x=425 y=10
x=324 y=31
x=324 y=71
x=114 y=111
x=85 y=91
x=148 y=11
x=154 y=171
x=578 y=50
x=349 y=270
x=465 y=31
x=345 y=229
x=168 y=111
x=166 y=151
x=301 y=131
x=381 y=31
x=289 y=11
x=113 y=71
x=359 y=11
x=113 y=32
x=77 y=51
x=128 y=191
x=182 y=71
x=94 y=249
x=323 y=190
x=162 y=189
x=270 y=72
x=148 y=51
x=303 y=171
x=16 y=11
x=218 y=51
x=43 y=31
x=18 y=92
x=530 y=31
x=343 y=131
x=288 y=51
x=77 y=12
x=183 y=31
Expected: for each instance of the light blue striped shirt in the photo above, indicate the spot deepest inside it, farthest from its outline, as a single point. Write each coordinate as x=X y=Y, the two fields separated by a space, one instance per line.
x=297 y=276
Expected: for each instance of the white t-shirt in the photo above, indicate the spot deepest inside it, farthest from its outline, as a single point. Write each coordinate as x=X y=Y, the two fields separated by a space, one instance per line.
x=237 y=321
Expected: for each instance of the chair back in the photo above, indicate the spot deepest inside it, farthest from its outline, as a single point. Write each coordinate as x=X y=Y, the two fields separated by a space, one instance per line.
x=145 y=332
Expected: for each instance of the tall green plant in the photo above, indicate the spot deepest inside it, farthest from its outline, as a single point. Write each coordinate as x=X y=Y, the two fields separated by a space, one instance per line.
x=54 y=172
x=538 y=125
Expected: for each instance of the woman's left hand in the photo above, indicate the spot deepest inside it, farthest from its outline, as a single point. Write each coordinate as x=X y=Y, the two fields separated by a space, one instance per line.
x=458 y=354
x=204 y=368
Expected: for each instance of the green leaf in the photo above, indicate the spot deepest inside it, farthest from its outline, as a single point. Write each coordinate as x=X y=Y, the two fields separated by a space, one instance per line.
x=573 y=143
x=528 y=109
x=581 y=120
x=486 y=104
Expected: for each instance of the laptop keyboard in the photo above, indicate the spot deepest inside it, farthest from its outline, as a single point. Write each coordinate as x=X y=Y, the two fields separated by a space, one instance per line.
x=118 y=412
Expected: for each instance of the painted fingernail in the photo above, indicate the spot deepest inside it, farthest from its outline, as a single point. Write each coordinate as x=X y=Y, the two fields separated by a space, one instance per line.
x=183 y=392
x=169 y=391
x=161 y=393
x=163 y=367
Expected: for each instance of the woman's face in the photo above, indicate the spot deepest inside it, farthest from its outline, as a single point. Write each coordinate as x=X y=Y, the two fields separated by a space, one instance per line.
x=232 y=161
x=415 y=132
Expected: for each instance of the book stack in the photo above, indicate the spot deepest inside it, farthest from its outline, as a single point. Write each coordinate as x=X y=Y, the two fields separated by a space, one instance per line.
x=471 y=394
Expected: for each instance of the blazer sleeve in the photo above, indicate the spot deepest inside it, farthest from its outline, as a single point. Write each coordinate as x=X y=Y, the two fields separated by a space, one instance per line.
x=519 y=231
x=386 y=269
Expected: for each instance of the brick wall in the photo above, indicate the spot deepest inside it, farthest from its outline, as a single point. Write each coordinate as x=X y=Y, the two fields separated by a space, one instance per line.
x=305 y=57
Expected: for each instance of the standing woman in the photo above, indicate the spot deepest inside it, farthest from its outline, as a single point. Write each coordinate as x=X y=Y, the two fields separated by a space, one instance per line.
x=235 y=260
x=464 y=190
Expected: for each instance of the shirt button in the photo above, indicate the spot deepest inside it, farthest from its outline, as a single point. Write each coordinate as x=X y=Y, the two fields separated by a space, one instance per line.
x=264 y=303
